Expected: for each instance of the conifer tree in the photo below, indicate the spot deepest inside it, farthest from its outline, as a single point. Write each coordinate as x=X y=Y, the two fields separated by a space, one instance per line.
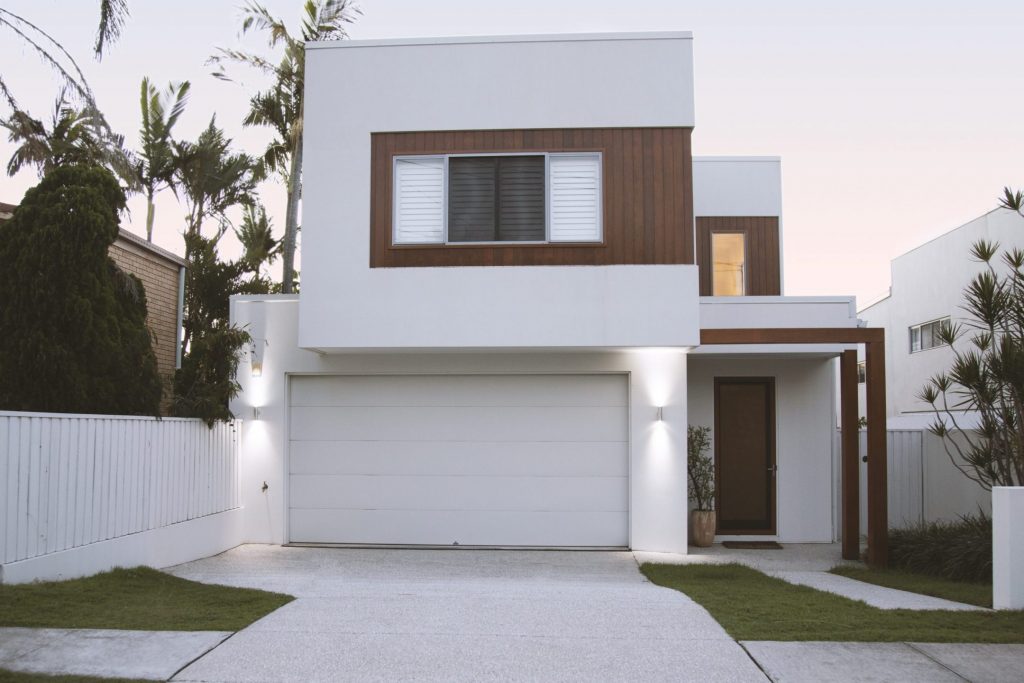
x=74 y=335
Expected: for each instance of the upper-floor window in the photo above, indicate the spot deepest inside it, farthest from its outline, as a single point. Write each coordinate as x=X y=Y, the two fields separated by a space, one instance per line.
x=488 y=198
x=728 y=259
x=926 y=335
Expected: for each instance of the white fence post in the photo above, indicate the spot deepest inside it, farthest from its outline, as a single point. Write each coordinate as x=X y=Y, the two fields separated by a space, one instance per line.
x=1008 y=547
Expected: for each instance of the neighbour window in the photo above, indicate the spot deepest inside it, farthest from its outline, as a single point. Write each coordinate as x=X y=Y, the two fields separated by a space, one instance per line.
x=862 y=372
x=926 y=335
x=453 y=199
x=728 y=256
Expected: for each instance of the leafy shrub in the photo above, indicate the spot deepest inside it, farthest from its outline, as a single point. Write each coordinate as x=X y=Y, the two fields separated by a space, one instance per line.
x=961 y=550
x=700 y=467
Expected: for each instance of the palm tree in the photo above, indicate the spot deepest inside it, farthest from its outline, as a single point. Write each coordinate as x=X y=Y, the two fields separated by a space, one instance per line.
x=280 y=107
x=213 y=179
x=75 y=136
x=156 y=162
x=256 y=233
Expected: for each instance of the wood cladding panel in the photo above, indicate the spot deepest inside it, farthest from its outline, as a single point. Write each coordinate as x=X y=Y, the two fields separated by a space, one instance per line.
x=647 y=203
x=763 y=257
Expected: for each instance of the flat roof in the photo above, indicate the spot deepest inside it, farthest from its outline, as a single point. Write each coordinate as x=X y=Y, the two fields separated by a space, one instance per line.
x=526 y=38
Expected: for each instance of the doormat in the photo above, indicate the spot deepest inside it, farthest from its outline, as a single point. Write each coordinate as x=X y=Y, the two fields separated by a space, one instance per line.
x=752 y=545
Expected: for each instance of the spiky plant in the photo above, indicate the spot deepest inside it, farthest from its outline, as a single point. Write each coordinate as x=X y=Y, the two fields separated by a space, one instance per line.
x=987 y=373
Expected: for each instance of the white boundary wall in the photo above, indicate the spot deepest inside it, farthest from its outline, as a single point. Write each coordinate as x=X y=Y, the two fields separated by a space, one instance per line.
x=84 y=493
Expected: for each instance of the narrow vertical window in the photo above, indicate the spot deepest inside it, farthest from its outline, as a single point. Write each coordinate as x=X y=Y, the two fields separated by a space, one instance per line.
x=728 y=258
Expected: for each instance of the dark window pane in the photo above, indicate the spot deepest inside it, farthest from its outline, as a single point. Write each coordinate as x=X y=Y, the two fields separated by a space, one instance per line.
x=472 y=199
x=496 y=199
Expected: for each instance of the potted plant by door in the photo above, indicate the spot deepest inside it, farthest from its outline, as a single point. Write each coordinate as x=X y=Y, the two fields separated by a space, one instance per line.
x=700 y=468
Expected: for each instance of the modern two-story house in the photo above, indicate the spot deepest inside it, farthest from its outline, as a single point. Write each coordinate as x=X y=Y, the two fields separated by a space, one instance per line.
x=519 y=289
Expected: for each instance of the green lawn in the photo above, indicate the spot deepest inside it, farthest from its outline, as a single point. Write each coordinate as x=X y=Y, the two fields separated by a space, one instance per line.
x=754 y=606
x=959 y=591
x=139 y=598
x=7 y=676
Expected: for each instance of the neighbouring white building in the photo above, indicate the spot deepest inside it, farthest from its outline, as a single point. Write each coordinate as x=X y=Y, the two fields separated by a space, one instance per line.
x=927 y=289
x=518 y=289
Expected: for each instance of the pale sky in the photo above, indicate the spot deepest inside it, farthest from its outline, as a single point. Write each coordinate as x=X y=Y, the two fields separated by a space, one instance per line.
x=895 y=121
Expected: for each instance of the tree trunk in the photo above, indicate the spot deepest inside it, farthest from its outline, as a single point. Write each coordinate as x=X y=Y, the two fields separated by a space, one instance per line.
x=291 y=226
x=150 y=212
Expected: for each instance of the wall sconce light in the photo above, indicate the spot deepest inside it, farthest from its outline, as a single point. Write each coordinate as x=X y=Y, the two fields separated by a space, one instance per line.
x=659 y=414
x=255 y=413
x=257 y=349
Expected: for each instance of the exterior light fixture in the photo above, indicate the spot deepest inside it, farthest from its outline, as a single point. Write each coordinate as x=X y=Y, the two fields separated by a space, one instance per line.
x=255 y=412
x=659 y=414
x=256 y=351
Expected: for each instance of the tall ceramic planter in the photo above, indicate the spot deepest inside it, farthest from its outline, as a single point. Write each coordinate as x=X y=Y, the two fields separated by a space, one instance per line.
x=703 y=524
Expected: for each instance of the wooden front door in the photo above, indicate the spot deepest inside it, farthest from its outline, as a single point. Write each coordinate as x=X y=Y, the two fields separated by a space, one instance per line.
x=745 y=455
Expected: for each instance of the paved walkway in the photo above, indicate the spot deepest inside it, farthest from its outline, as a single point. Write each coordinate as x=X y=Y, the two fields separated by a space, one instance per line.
x=813 y=662
x=460 y=615
x=808 y=565
x=154 y=655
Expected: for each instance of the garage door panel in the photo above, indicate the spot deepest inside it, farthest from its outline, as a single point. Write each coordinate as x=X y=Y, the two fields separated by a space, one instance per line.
x=459 y=390
x=528 y=460
x=508 y=458
x=501 y=528
x=595 y=494
x=462 y=423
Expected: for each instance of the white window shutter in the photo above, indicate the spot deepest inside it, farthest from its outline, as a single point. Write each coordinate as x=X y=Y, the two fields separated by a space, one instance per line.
x=419 y=200
x=575 y=193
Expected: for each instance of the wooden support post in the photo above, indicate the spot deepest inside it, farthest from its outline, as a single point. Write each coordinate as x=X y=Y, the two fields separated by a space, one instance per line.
x=850 y=450
x=878 y=492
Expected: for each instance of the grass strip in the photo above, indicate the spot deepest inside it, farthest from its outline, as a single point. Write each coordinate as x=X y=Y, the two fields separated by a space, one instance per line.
x=135 y=599
x=979 y=594
x=8 y=676
x=754 y=606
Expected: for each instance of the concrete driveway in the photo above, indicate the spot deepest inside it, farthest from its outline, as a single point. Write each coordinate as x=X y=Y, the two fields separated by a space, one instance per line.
x=451 y=615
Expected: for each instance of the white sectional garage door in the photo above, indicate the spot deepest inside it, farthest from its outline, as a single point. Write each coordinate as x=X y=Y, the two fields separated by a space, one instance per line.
x=495 y=460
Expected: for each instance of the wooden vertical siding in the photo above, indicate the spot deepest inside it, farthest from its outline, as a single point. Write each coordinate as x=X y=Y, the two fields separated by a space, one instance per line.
x=647 y=205
x=70 y=480
x=763 y=255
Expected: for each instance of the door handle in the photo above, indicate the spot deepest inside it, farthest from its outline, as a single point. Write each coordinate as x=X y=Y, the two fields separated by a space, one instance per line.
x=773 y=469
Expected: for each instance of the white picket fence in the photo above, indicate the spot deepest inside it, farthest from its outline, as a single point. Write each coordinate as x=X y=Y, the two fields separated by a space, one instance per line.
x=68 y=481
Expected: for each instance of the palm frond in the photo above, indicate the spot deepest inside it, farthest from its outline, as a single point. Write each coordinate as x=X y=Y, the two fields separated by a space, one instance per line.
x=23 y=28
x=113 y=14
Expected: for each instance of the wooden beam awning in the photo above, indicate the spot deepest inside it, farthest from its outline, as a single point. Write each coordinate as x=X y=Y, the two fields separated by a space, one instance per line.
x=873 y=339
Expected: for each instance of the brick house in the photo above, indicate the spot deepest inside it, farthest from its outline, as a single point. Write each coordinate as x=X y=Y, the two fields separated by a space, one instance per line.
x=163 y=276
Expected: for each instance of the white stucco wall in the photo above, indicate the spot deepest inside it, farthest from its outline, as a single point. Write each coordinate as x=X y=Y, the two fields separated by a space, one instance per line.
x=658 y=514
x=355 y=88
x=928 y=283
x=804 y=427
x=737 y=186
